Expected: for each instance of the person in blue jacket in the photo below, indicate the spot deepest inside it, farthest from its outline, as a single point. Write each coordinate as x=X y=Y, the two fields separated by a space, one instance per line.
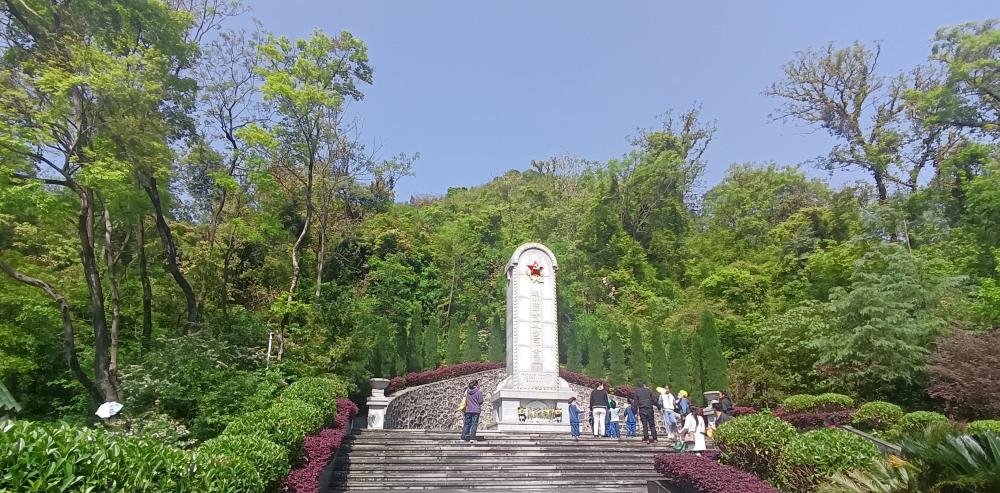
x=630 y=421
x=574 y=417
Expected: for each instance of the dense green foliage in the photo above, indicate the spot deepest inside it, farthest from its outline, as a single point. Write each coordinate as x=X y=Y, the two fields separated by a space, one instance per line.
x=212 y=230
x=268 y=458
x=812 y=457
x=45 y=457
x=915 y=423
x=878 y=415
x=983 y=426
x=799 y=402
x=754 y=443
x=937 y=460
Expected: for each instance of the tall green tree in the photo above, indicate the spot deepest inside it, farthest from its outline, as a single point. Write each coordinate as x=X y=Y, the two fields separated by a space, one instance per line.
x=497 y=342
x=472 y=350
x=453 y=355
x=431 y=335
x=617 y=369
x=677 y=354
x=637 y=355
x=710 y=364
x=574 y=356
x=595 y=355
x=415 y=355
x=660 y=374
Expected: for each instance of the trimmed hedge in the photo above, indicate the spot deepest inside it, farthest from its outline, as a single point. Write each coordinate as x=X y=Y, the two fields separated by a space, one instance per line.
x=984 y=425
x=832 y=402
x=320 y=449
x=268 y=458
x=799 y=403
x=266 y=424
x=812 y=457
x=811 y=420
x=754 y=443
x=915 y=422
x=60 y=457
x=320 y=392
x=878 y=415
x=691 y=472
x=413 y=379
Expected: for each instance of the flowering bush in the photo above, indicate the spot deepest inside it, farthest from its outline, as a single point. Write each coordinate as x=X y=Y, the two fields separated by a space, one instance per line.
x=320 y=450
x=413 y=379
x=754 y=443
x=743 y=411
x=812 y=457
x=878 y=415
x=693 y=472
x=812 y=420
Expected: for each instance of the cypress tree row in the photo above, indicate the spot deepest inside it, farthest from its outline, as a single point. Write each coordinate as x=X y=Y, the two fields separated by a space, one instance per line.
x=498 y=343
x=616 y=358
x=595 y=355
x=431 y=335
x=454 y=353
x=660 y=374
x=472 y=350
x=640 y=369
x=415 y=356
x=712 y=363
x=680 y=377
x=574 y=356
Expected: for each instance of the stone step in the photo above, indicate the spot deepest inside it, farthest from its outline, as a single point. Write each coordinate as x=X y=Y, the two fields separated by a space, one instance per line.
x=474 y=484
x=483 y=450
x=457 y=476
x=479 y=461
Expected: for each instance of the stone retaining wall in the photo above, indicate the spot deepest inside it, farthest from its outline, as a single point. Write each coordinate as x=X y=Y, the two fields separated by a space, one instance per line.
x=434 y=406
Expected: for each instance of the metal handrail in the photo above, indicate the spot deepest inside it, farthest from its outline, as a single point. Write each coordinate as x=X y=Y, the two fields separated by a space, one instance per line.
x=884 y=446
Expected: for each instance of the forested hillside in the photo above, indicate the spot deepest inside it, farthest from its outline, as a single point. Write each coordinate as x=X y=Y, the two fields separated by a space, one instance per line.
x=186 y=215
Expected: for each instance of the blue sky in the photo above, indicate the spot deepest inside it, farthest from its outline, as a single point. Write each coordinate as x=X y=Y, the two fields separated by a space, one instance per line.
x=478 y=88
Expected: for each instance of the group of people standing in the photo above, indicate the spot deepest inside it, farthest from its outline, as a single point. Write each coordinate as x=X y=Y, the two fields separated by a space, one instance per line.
x=687 y=425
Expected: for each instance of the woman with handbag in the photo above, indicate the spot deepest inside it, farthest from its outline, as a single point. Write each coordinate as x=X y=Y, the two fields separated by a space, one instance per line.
x=693 y=432
x=471 y=405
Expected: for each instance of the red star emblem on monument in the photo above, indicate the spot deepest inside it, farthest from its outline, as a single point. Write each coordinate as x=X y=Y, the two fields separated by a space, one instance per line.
x=534 y=269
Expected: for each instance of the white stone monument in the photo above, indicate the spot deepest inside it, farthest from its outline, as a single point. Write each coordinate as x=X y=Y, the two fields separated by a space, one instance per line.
x=532 y=383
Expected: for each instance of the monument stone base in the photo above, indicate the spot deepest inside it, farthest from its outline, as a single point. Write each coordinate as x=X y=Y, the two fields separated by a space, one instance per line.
x=506 y=402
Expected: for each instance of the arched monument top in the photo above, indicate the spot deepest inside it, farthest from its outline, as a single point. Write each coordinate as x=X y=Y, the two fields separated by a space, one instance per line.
x=531 y=246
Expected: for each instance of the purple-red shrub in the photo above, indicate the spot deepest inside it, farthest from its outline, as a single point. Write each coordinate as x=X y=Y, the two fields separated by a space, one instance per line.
x=413 y=379
x=743 y=410
x=812 y=420
x=693 y=472
x=320 y=449
x=581 y=379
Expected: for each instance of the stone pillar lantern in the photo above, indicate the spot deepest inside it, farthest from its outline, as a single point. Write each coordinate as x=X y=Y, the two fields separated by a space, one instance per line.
x=377 y=403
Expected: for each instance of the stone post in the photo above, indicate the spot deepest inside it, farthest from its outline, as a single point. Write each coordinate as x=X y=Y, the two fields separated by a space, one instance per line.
x=377 y=403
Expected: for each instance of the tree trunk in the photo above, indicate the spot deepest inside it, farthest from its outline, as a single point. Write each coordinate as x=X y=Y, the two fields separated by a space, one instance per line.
x=295 y=260
x=147 y=290
x=106 y=379
x=69 y=335
x=116 y=307
x=883 y=192
x=170 y=253
x=320 y=258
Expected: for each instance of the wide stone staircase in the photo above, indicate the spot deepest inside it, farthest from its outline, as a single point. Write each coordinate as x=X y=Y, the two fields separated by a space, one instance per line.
x=390 y=460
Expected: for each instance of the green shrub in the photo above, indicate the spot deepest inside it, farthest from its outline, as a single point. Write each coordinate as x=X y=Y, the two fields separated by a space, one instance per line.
x=832 y=402
x=754 y=443
x=878 y=415
x=286 y=423
x=915 y=422
x=36 y=457
x=320 y=392
x=267 y=457
x=800 y=402
x=984 y=425
x=812 y=457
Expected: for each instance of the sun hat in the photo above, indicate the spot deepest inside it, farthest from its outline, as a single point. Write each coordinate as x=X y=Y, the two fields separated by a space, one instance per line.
x=683 y=393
